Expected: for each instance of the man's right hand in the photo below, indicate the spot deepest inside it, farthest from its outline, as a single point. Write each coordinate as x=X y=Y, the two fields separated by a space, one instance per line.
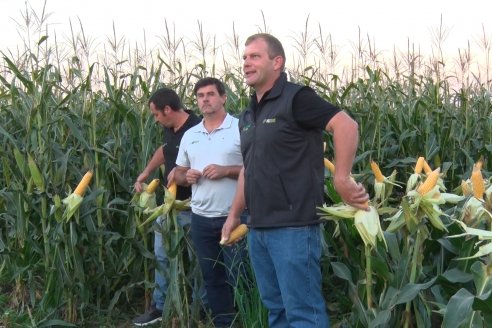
x=138 y=184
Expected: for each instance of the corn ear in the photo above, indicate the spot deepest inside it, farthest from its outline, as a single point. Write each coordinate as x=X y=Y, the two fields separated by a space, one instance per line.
x=173 y=189
x=478 y=165
x=152 y=187
x=329 y=165
x=478 y=185
x=412 y=181
x=338 y=211
x=426 y=167
x=377 y=172
x=240 y=231
x=429 y=182
x=369 y=228
x=419 y=165
x=83 y=184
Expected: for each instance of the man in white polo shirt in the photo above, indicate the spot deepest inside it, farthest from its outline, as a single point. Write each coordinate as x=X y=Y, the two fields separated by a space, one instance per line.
x=210 y=160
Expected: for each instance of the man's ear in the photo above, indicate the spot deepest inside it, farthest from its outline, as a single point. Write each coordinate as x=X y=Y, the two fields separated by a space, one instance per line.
x=278 y=62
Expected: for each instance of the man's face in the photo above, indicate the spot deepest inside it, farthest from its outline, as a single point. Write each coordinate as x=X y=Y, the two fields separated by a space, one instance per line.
x=258 y=68
x=209 y=101
x=160 y=116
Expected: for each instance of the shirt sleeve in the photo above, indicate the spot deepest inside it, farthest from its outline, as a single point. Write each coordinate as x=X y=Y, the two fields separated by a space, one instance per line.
x=182 y=158
x=312 y=111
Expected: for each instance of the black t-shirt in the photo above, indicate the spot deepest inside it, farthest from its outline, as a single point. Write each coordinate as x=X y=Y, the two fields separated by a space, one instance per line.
x=170 y=148
x=312 y=111
x=308 y=109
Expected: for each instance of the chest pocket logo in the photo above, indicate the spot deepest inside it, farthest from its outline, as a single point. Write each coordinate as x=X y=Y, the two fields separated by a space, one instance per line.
x=269 y=120
x=246 y=128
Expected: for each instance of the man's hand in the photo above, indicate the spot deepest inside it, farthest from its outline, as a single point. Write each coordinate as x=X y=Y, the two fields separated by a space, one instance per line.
x=192 y=176
x=229 y=225
x=170 y=178
x=351 y=192
x=214 y=172
x=138 y=184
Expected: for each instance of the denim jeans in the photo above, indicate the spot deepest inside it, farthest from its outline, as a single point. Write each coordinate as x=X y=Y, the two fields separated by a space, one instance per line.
x=159 y=294
x=220 y=266
x=286 y=263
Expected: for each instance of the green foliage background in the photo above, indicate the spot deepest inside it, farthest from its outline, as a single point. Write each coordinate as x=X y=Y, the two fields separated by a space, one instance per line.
x=64 y=112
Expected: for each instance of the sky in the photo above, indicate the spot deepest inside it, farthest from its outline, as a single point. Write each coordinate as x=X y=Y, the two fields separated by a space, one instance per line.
x=389 y=23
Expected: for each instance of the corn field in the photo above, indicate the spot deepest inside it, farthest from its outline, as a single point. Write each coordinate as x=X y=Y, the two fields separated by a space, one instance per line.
x=72 y=258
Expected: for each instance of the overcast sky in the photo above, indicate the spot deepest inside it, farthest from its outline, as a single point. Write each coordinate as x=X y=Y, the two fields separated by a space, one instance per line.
x=388 y=22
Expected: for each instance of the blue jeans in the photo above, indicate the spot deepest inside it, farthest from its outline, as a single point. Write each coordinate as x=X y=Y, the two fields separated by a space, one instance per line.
x=286 y=263
x=219 y=266
x=162 y=264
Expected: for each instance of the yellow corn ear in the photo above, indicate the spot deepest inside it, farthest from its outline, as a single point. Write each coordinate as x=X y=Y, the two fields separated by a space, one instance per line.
x=377 y=172
x=478 y=165
x=478 y=185
x=152 y=187
x=83 y=184
x=430 y=182
x=329 y=165
x=173 y=189
x=426 y=167
x=419 y=165
x=240 y=231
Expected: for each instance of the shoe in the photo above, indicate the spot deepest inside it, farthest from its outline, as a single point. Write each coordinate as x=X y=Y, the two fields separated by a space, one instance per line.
x=148 y=318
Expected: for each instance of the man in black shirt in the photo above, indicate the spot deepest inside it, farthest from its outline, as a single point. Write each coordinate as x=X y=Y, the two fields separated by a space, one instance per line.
x=282 y=182
x=168 y=111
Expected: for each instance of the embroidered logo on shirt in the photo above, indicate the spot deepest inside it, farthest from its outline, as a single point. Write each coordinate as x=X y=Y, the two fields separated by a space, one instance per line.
x=195 y=142
x=269 y=120
x=245 y=128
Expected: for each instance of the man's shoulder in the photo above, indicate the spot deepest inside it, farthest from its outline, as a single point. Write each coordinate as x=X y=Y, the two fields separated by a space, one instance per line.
x=193 y=119
x=193 y=129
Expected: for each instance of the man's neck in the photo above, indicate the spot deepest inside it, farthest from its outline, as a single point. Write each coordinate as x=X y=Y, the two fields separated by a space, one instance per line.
x=212 y=122
x=181 y=118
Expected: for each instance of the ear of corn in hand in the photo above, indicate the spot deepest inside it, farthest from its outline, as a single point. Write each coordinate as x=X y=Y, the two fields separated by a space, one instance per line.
x=152 y=187
x=329 y=165
x=239 y=232
x=173 y=189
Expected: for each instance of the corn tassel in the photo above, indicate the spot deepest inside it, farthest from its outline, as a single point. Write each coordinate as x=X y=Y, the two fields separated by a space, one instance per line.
x=329 y=165
x=240 y=231
x=152 y=187
x=429 y=183
x=478 y=185
x=83 y=184
x=419 y=165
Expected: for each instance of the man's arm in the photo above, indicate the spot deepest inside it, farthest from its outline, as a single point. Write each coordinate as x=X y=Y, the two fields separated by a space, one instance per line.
x=345 y=140
x=237 y=208
x=156 y=161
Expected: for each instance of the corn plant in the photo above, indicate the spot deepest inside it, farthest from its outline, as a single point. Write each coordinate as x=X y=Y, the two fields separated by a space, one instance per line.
x=69 y=108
